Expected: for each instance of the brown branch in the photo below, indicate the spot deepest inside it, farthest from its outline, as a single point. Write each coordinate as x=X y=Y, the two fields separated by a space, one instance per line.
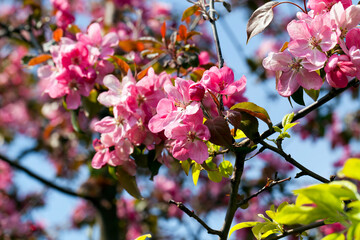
x=266 y=187
x=190 y=213
x=292 y=161
x=48 y=183
x=297 y=230
x=235 y=183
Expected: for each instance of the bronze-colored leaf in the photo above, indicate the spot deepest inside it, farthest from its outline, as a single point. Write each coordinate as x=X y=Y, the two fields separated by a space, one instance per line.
x=39 y=59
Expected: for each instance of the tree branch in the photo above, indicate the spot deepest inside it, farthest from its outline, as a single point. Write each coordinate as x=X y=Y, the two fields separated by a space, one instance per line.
x=292 y=161
x=44 y=181
x=190 y=213
x=305 y=111
x=266 y=187
x=297 y=230
x=235 y=183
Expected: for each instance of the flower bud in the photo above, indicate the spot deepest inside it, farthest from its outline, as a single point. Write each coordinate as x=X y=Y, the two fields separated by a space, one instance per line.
x=196 y=91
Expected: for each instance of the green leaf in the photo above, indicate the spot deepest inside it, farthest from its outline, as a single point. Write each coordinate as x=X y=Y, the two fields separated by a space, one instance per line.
x=287 y=119
x=254 y=110
x=214 y=176
x=354 y=212
x=298 y=96
x=241 y=226
x=320 y=194
x=292 y=214
x=74 y=121
x=277 y=129
x=189 y=11
x=128 y=182
x=226 y=169
x=196 y=172
x=143 y=237
x=263 y=228
x=334 y=236
x=314 y=94
x=351 y=169
x=290 y=125
x=249 y=125
x=186 y=166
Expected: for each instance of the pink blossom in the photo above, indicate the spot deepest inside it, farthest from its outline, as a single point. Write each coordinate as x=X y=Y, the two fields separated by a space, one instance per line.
x=345 y=19
x=196 y=91
x=6 y=175
x=172 y=110
x=292 y=73
x=118 y=125
x=118 y=91
x=338 y=70
x=325 y=5
x=189 y=137
x=310 y=39
x=102 y=46
x=102 y=155
x=204 y=58
x=222 y=81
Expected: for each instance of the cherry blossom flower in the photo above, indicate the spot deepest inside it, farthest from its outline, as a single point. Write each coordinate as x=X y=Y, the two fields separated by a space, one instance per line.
x=338 y=71
x=292 y=73
x=222 y=81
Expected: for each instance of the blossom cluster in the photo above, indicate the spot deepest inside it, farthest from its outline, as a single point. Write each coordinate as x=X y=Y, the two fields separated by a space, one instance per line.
x=78 y=65
x=323 y=39
x=154 y=110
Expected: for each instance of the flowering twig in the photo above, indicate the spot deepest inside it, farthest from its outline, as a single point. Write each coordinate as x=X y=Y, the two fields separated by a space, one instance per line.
x=190 y=213
x=292 y=161
x=297 y=230
x=269 y=185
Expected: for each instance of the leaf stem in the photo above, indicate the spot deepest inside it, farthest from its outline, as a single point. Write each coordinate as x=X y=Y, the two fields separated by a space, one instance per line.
x=290 y=3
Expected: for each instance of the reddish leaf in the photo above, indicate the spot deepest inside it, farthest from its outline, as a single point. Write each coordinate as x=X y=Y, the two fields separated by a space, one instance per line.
x=254 y=110
x=182 y=32
x=57 y=34
x=39 y=59
x=123 y=66
x=260 y=19
x=189 y=11
x=219 y=131
x=191 y=34
x=142 y=74
x=130 y=45
x=163 y=30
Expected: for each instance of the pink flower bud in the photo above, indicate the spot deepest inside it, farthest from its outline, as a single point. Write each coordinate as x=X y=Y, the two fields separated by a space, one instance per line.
x=196 y=91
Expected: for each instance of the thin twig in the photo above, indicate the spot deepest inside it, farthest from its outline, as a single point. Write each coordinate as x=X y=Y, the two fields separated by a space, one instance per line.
x=190 y=213
x=215 y=33
x=42 y=180
x=297 y=230
x=292 y=161
x=266 y=187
